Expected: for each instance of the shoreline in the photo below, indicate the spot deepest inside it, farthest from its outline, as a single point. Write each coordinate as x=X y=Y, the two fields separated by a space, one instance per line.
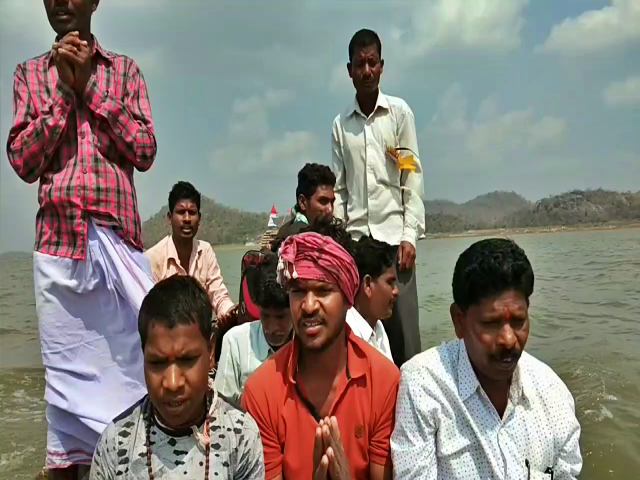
x=534 y=230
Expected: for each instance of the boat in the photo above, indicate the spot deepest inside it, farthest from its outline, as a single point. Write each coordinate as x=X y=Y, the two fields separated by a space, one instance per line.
x=272 y=230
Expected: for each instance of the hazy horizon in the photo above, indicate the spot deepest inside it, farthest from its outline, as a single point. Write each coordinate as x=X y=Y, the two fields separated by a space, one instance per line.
x=539 y=97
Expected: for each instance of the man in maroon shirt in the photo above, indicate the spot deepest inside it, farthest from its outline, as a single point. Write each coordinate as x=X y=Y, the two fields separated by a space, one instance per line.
x=82 y=123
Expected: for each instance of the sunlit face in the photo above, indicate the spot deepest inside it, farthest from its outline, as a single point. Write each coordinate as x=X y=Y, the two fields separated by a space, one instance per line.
x=365 y=69
x=318 y=313
x=185 y=219
x=70 y=15
x=320 y=205
x=495 y=332
x=176 y=369
x=381 y=293
x=276 y=325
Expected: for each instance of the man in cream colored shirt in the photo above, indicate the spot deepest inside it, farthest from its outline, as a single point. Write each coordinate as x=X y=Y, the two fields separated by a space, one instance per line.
x=181 y=254
x=373 y=194
x=377 y=293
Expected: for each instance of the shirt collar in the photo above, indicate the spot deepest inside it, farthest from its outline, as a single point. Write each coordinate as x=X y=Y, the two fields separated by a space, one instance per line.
x=468 y=381
x=300 y=217
x=357 y=361
x=261 y=348
x=97 y=49
x=172 y=252
x=381 y=102
x=359 y=325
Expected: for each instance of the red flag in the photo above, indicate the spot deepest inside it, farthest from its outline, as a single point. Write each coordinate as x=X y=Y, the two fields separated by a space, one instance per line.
x=273 y=210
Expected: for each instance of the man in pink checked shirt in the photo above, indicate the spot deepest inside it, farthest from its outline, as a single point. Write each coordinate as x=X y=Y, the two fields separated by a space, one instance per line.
x=82 y=123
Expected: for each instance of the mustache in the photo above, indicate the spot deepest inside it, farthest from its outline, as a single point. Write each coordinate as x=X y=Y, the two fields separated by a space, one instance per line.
x=507 y=355
x=314 y=317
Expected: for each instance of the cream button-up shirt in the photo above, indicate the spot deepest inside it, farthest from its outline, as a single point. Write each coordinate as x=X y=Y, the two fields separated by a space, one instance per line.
x=448 y=429
x=372 y=195
x=203 y=266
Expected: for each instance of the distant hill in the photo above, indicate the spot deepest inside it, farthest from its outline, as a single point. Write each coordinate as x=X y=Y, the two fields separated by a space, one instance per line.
x=510 y=210
x=480 y=213
x=579 y=207
x=220 y=225
x=225 y=225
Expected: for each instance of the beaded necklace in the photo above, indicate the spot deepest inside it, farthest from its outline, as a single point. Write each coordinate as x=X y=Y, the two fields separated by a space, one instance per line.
x=206 y=433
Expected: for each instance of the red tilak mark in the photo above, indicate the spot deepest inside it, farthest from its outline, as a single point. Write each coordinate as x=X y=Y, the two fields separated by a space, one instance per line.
x=507 y=313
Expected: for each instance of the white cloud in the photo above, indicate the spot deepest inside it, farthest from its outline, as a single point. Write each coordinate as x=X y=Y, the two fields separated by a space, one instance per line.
x=610 y=27
x=249 y=116
x=253 y=148
x=455 y=141
x=624 y=93
x=476 y=25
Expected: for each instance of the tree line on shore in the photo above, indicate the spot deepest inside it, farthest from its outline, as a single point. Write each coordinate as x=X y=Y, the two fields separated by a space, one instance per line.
x=224 y=225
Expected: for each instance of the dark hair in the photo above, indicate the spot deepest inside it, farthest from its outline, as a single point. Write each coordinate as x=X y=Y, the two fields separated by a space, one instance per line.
x=491 y=267
x=177 y=300
x=336 y=229
x=373 y=257
x=362 y=39
x=183 y=191
x=269 y=293
x=312 y=176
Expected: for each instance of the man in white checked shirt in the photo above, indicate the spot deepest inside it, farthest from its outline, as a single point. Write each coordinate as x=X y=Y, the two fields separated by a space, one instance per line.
x=480 y=407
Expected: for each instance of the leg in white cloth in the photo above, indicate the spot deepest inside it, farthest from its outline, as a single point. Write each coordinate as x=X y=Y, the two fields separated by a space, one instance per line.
x=87 y=314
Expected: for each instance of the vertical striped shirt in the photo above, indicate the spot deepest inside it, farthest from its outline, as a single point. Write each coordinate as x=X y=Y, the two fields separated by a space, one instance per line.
x=82 y=148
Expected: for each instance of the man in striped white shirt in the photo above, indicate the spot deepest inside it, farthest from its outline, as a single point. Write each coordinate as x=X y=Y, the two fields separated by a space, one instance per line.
x=377 y=194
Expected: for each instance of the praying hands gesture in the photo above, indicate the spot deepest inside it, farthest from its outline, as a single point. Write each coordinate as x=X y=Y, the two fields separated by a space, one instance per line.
x=329 y=459
x=73 y=61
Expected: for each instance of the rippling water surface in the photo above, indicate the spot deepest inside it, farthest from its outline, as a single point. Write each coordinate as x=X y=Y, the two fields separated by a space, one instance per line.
x=585 y=324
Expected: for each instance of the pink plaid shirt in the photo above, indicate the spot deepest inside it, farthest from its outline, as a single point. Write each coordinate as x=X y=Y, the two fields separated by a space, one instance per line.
x=82 y=148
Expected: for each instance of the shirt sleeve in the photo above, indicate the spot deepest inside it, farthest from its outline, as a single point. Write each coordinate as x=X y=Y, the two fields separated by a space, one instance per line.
x=227 y=373
x=128 y=122
x=413 y=442
x=215 y=286
x=569 y=461
x=340 y=190
x=256 y=403
x=34 y=136
x=103 y=465
x=379 y=449
x=250 y=464
x=412 y=188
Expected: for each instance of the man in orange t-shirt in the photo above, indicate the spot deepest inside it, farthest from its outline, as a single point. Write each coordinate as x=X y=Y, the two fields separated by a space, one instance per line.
x=325 y=402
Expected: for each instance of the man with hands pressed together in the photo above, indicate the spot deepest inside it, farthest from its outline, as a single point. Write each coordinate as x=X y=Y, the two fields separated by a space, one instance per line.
x=82 y=124
x=325 y=402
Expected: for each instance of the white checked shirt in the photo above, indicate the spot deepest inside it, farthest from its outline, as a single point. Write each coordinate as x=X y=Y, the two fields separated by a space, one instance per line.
x=447 y=429
x=244 y=349
x=376 y=338
x=371 y=195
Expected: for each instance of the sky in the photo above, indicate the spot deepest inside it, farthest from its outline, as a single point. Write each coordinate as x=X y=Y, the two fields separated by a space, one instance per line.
x=537 y=97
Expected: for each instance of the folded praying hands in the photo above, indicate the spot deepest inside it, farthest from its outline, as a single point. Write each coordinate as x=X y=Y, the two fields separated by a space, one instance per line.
x=329 y=459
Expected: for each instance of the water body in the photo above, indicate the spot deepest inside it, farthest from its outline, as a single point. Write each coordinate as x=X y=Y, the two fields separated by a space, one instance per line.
x=585 y=324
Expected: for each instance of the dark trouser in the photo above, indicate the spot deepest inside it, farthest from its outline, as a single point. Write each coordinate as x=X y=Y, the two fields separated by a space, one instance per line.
x=403 y=328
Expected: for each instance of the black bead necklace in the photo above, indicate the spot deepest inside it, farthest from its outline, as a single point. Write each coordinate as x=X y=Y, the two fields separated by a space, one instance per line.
x=206 y=428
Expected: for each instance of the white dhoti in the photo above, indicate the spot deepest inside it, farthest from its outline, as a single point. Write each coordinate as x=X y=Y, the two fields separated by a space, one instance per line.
x=88 y=322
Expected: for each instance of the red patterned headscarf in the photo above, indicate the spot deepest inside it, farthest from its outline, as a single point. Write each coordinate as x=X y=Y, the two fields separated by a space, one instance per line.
x=311 y=256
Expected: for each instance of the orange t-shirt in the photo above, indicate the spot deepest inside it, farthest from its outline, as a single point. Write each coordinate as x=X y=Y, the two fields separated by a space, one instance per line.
x=364 y=406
